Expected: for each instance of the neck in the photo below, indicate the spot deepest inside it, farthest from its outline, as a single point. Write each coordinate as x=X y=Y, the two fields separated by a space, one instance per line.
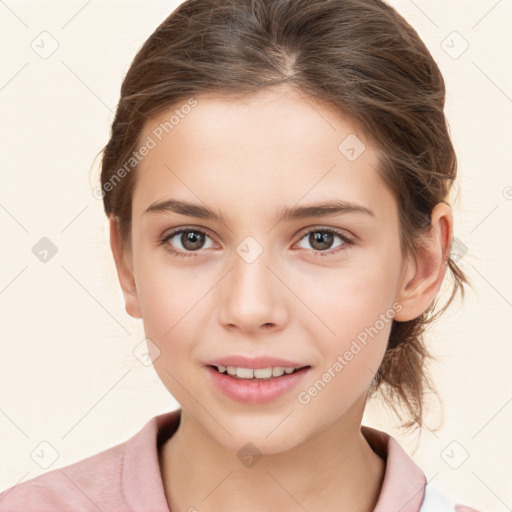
x=335 y=470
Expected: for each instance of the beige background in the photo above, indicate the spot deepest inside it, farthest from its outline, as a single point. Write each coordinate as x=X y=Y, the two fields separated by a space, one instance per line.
x=68 y=373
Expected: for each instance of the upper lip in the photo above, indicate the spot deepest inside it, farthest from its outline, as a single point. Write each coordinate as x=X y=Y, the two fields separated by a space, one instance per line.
x=254 y=362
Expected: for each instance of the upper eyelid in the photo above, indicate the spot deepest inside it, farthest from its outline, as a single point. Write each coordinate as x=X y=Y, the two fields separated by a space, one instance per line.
x=338 y=231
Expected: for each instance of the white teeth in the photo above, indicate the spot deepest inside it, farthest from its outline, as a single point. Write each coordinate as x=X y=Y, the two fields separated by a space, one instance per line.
x=245 y=373
x=263 y=373
x=257 y=373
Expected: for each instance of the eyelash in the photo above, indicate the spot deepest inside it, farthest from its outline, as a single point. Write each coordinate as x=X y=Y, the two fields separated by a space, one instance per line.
x=343 y=247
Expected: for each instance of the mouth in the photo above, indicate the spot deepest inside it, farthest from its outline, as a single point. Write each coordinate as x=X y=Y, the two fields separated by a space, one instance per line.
x=271 y=379
x=258 y=374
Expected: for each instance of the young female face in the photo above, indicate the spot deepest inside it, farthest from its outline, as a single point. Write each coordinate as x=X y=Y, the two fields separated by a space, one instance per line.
x=303 y=289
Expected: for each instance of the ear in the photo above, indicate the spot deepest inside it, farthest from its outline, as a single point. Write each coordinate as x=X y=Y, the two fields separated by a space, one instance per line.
x=124 y=264
x=422 y=276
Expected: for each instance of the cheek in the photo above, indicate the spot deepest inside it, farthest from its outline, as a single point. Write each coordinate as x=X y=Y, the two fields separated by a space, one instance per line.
x=349 y=357
x=355 y=309
x=347 y=300
x=167 y=292
x=170 y=300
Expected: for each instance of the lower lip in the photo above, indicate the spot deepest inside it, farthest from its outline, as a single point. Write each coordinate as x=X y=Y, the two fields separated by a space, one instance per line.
x=252 y=391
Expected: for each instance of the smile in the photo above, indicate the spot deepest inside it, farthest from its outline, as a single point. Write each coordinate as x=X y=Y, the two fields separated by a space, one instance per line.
x=255 y=385
x=256 y=373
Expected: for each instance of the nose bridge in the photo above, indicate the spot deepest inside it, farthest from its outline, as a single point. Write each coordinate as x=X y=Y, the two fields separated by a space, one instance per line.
x=250 y=294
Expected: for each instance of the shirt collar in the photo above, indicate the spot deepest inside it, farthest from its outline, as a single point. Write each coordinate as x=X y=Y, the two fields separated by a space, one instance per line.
x=141 y=477
x=404 y=482
x=402 y=489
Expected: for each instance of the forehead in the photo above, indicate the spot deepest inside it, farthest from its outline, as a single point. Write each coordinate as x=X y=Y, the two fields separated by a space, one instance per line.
x=274 y=117
x=278 y=145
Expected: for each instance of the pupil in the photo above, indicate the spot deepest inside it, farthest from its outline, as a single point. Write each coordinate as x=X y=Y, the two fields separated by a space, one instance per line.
x=192 y=240
x=321 y=237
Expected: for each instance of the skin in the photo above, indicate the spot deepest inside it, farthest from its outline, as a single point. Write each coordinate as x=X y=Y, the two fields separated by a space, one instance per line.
x=249 y=159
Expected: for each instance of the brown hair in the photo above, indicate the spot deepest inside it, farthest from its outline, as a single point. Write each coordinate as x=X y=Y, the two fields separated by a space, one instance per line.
x=359 y=57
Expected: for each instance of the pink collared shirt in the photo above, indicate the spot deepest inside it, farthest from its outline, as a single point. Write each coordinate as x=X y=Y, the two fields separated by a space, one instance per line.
x=127 y=477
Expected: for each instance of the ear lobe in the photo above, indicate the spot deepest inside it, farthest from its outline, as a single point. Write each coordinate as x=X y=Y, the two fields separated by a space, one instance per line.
x=124 y=265
x=423 y=275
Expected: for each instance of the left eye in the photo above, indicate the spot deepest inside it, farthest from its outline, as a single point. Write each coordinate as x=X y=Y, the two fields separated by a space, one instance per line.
x=322 y=240
x=192 y=240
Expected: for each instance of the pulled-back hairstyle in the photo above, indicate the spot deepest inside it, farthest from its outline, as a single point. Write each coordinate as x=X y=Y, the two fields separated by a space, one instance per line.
x=358 y=57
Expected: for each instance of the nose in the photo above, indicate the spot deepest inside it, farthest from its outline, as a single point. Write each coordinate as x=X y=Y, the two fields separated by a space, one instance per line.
x=252 y=297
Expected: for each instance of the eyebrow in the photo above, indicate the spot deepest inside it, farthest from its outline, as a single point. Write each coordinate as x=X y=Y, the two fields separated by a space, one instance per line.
x=328 y=208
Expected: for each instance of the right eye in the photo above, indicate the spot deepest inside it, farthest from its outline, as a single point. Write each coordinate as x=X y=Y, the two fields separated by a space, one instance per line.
x=191 y=241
